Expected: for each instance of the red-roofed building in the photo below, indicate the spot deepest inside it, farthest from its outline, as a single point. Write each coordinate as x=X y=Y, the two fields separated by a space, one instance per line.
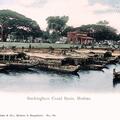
x=80 y=38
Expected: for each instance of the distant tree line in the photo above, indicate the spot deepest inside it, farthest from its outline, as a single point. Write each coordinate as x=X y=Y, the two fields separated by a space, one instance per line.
x=23 y=27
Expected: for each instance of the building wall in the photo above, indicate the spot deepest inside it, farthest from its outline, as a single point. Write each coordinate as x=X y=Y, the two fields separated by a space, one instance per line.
x=80 y=38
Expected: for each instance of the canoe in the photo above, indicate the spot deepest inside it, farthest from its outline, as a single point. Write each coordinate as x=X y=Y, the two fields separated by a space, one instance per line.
x=68 y=69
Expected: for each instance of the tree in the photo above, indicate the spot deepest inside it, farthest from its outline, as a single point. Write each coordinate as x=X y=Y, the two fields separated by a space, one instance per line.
x=45 y=35
x=55 y=36
x=118 y=37
x=66 y=30
x=99 y=32
x=11 y=21
x=56 y=25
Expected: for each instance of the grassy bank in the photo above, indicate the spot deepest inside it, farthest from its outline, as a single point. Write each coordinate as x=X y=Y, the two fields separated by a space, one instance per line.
x=47 y=45
x=34 y=45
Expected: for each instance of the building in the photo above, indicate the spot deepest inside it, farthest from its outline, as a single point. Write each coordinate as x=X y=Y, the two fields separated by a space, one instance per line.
x=62 y=40
x=79 y=38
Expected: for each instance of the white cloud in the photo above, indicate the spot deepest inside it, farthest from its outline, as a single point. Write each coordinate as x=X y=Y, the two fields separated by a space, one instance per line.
x=25 y=2
x=31 y=3
x=112 y=3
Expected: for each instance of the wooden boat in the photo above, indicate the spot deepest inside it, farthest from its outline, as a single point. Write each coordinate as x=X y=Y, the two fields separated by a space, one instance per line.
x=68 y=69
x=100 y=62
x=96 y=67
x=116 y=75
x=112 y=60
x=3 y=66
x=116 y=81
x=18 y=66
x=93 y=67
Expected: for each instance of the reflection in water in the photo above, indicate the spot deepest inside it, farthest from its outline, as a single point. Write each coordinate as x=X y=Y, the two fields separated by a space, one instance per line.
x=38 y=81
x=115 y=82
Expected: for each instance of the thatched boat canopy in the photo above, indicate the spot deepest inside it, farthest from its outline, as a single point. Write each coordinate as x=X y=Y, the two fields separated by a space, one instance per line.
x=8 y=53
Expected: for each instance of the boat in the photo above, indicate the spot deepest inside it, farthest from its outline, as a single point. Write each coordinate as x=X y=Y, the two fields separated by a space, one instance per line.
x=112 y=60
x=3 y=66
x=18 y=66
x=15 y=61
x=116 y=81
x=68 y=69
x=93 y=67
x=116 y=75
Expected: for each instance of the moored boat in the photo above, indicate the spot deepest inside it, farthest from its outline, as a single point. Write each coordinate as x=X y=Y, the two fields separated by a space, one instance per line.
x=116 y=81
x=93 y=67
x=116 y=75
x=68 y=69
x=3 y=66
x=18 y=66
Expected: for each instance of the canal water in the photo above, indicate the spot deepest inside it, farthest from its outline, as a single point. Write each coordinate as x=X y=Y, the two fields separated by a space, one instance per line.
x=87 y=81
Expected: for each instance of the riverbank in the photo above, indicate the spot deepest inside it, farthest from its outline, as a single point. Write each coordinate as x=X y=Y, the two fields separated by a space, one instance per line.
x=47 y=52
x=91 y=62
x=60 y=60
x=58 y=53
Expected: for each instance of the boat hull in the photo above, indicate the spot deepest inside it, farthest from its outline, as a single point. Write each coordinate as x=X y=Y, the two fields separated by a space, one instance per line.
x=16 y=66
x=58 y=70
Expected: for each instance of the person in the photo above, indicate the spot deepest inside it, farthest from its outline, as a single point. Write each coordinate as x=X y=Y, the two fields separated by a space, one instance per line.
x=113 y=70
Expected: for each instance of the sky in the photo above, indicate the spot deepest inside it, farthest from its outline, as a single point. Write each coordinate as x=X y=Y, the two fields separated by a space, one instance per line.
x=79 y=11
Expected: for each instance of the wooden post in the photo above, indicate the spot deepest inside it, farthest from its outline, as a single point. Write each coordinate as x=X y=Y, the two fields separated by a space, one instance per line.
x=3 y=58
x=9 y=58
x=15 y=58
